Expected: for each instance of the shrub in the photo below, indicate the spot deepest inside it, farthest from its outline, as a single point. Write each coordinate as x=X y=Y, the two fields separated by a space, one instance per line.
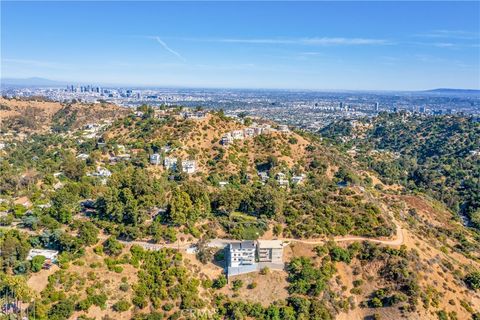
x=37 y=263
x=121 y=306
x=473 y=280
x=237 y=284
x=220 y=282
x=252 y=285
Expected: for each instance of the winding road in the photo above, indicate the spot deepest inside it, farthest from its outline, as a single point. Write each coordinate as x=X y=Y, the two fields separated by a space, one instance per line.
x=221 y=243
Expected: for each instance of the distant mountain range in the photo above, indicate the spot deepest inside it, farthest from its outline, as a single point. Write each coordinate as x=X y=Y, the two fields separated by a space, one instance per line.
x=454 y=91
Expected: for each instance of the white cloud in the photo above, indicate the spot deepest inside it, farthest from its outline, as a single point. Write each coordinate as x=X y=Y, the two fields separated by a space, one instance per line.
x=166 y=47
x=451 y=34
x=315 y=41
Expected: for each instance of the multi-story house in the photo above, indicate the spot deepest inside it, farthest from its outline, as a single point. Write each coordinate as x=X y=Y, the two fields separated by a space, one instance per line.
x=170 y=163
x=189 y=166
x=155 y=159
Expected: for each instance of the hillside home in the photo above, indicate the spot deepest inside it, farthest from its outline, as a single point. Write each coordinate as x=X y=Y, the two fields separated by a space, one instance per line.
x=263 y=176
x=241 y=257
x=298 y=179
x=189 y=166
x=226 y=139
x=283 y=128
x=249 y=132
x=282 y=179
x=270 y=251
x=170 y=163
x=102 y=172
x=83 y=156
x=50 y=255
x=222 y=183
x=237 y=135
x=198 y=115
x=155 y=159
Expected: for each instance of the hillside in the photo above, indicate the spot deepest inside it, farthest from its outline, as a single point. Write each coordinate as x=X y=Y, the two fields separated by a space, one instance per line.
x=39 y=115
x=140 y=240
x=439 y=156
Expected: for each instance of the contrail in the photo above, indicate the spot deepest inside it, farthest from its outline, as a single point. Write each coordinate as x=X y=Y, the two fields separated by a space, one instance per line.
x=166 y=47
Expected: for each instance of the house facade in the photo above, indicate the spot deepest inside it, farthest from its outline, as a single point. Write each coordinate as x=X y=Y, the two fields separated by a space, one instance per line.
x=155 y=159
x=241 y=254
x=170 y=163
x=189 y=166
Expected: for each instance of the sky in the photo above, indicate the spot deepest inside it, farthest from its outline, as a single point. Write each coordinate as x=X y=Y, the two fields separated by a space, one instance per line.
x=284 y=45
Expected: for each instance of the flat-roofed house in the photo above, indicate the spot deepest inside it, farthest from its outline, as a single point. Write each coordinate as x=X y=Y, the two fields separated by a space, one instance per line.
x=155 y=159
x=249 y=132
x=189 y=166
x=226 y=139
x=238 y=135
x=282 y=179
x=50 y=255
x=298 y=179
x=270 y=251
x=241 y=257
x=170 y=163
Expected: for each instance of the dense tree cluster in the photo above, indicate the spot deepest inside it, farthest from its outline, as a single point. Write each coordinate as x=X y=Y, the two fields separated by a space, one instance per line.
x=435 y=155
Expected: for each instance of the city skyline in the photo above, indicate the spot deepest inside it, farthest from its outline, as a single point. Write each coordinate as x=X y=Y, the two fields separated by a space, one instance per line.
x=314 y=45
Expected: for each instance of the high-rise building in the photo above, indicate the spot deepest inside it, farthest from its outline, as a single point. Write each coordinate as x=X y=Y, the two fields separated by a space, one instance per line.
x=376 y=106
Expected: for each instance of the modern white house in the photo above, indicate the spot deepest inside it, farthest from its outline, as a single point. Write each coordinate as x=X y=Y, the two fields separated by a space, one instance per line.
x=170 y=163
x=249 y=132
x=103 y=173
x=83 y=156
x=155 y=159
x=241 y=254
x=283 y=128
x=51 y=255
x=222 y=183
x=282 y=179
x=198 y=115
x=226 y=139
x=237 y=135
x=298 y=179
x=189 y=166
x=252 y=256
x=263 y=176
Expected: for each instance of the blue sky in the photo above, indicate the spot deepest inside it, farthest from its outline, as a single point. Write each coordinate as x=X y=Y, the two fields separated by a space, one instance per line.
x=301 y=45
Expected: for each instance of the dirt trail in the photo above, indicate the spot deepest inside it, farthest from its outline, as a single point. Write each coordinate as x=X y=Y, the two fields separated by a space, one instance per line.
x=220 y=243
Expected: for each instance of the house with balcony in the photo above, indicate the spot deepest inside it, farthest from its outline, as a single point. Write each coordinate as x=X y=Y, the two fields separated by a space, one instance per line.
x=241 y=257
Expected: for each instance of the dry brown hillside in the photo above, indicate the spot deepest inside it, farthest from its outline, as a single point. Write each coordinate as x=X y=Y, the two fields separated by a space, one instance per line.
x=39 y=115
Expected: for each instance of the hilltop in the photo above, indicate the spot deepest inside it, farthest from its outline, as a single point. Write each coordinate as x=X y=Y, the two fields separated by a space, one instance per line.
x=37 y=115
x=356 y=243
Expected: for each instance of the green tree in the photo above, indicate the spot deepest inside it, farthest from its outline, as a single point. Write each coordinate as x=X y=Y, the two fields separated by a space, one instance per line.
x=180 y=208
x=37 y=263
